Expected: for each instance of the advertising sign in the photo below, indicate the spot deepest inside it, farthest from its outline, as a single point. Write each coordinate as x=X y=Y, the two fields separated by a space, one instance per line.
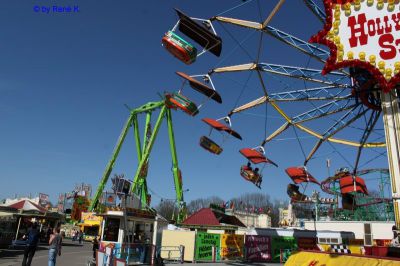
x=285 y=244
x=43 y=199
x=232 y=246
x=307 y=243
x=258 y=248
x=204 y=243
x=91 y=216
x=109 y=199
x=363 y=34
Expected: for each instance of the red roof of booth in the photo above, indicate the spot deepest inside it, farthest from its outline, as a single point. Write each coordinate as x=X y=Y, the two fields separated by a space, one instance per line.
x=27 y=205
x=206 y=216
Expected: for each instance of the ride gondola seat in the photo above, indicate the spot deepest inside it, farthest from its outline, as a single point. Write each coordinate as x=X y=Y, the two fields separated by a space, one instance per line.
x=348 y=184
x=210 y=145
x=248 y=174
x=199 y=33
x=300 y=174
x=294 y=193
x=201 y=87
x=178 y=100
x=179 y=48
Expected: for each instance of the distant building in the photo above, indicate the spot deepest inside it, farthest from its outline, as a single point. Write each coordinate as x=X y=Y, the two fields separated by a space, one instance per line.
x=251 y=219
x=287 y=217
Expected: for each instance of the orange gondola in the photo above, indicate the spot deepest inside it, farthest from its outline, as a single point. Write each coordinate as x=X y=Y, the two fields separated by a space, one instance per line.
x=209 y=144
x=255 y=156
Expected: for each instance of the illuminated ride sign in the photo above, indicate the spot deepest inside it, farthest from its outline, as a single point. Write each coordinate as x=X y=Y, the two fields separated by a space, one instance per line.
x=364 y=34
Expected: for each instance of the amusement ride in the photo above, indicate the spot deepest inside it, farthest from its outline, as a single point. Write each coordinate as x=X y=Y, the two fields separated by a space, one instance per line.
x=334 y=106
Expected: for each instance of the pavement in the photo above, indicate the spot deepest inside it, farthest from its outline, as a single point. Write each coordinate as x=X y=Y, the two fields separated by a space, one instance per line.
x=75 y=254
x=72 y=254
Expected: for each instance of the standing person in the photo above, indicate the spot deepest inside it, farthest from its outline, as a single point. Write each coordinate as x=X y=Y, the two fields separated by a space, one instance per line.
x=31 y=244
x=80 y=235
x=55 y=244
x=95 y=246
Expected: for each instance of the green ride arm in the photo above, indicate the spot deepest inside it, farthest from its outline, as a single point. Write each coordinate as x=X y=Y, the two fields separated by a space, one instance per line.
x=110 y=164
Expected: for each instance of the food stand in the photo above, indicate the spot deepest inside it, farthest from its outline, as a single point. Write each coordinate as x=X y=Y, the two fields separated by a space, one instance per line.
x=128 y=235
x=90 y=225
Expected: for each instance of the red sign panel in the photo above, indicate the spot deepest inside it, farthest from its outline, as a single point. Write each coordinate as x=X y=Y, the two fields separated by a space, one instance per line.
x=258 y=248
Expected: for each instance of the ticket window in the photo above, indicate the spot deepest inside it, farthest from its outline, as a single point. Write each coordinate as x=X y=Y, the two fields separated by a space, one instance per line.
x=139 y=235
x=111 y=229
x=131 y=231
x=148 y=232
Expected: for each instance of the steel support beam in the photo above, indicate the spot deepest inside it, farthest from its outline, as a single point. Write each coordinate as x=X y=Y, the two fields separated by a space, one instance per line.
x=391 y=120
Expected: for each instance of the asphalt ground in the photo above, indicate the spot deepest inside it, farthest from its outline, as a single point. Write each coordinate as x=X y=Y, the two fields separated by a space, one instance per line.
x=72 y=254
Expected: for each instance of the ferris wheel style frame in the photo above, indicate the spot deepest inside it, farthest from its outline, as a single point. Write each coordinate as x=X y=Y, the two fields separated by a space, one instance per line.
x=336 y=93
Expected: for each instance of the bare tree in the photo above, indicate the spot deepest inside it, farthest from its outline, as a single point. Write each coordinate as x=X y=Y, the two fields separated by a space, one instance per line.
x=167 y=209
x=197 y=204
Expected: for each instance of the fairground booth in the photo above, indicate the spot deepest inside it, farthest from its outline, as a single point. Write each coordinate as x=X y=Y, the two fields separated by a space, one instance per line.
x=90 y=225
x=129 y=231
x=18 y=216
x=129 y=235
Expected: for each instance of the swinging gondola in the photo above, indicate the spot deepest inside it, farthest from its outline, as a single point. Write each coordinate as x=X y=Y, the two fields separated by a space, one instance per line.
x=299 y=175
x=209 y=144
x=350 y=185
x=255 y=156
x=202 y=33
x=178 y=100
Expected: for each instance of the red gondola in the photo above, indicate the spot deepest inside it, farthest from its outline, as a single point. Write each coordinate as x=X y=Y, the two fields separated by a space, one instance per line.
x=352 y=183
x=255 y=156
x=210 y=145
x=300 y=174
x=178 y=100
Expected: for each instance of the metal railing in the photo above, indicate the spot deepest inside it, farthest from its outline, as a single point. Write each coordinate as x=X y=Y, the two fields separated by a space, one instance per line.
x=171 y=253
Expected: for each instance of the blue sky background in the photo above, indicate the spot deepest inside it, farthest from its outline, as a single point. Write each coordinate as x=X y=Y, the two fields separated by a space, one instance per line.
x=64 y=80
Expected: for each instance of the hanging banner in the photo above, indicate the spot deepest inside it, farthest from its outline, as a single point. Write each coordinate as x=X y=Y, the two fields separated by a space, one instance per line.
x=258 y=248
x=204 y=244
x=364 y=34
x=284 y=245
x=232 y=246
x=43 y=200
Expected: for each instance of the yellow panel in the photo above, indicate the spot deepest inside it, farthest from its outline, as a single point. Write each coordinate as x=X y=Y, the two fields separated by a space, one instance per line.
x=173 y=239
x=232 y=246
x=305 y=258
x=355 y=249
x=326 y=247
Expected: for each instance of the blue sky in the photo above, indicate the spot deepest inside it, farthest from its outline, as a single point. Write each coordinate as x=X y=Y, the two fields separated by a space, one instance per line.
x=65 y=77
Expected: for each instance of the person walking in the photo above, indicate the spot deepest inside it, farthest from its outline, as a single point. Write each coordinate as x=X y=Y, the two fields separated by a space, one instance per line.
x=55 y=244
x=80 y=236
x=95 y=246
x=31 y=244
